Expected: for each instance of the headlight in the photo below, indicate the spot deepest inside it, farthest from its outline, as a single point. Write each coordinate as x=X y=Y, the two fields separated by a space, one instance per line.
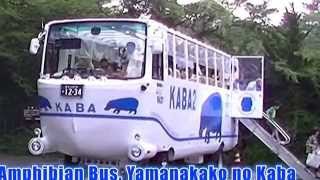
x=36 y=146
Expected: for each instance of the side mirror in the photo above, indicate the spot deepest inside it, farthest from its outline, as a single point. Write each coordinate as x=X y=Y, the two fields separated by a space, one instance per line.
x=34 y=46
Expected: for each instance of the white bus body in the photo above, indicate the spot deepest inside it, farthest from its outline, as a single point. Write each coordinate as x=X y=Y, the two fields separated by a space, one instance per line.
x=181 y=97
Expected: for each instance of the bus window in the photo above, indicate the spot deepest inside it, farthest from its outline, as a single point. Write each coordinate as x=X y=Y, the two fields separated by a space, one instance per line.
x=211 y=68
x=219 y=62
x=170 y=66
x=235 y=74
x=170 y=54
x=192 y=62
x=202 y=65
x=157 y=66
x=180 y=58
x=227 y=72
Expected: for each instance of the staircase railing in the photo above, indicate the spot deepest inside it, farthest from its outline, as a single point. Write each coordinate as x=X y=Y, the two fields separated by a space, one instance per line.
x=286 y=137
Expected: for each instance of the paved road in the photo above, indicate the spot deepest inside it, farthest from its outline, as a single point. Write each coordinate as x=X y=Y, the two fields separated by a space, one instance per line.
x=28 y=160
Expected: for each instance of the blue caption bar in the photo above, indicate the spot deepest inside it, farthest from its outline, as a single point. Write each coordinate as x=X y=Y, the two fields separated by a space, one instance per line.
x=132 y=172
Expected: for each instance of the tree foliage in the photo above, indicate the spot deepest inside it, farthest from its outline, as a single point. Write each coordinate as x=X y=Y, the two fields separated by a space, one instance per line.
x=291 y=48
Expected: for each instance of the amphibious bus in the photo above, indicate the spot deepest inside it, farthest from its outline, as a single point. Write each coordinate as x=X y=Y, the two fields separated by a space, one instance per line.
x=134 y=89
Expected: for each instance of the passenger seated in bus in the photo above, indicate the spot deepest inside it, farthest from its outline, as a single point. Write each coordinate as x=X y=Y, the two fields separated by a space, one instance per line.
x=251 y=86
x=219 y=81
x=259 y=84
x=177 y=73
x=254 y=85
x=189 y=73
x=227 y=81
x=96 y=64
x=170 y=65
x=170 y=72
x=239 y=84
x=103 y=64
x=191 y=76
x=211 y=76
x=109 y=68
x=202 y=75
x=218 y=75
x=183 y=74
x=83 y=63
x=236 y=84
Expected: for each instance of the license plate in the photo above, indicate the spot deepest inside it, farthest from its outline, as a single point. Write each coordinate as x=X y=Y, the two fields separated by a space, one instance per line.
x=71 y=90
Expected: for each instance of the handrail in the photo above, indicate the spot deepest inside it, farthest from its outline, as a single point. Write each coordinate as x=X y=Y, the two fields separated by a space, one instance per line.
x=287 y=138
x=280 y=150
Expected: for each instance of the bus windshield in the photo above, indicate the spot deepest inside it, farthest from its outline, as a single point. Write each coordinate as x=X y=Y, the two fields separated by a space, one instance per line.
x=115 y=48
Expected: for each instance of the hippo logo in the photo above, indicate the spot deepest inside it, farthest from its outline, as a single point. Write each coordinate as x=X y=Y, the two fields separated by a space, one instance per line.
x=123 y=104
x=211 y=117
x=44 y=103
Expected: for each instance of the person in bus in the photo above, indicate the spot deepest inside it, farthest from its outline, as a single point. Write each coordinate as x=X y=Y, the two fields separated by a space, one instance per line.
x=254 y=85
x=134 y=61
x=202 y=74
x=108 y=67
x=103 y=64
x=211 y=76
x=83 y=63
x=219 y=78
x=191 y=74
x=183 y=73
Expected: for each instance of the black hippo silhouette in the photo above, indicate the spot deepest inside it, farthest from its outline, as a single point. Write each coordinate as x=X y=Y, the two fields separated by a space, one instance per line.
x=44 y=103
x=211 y=117
x=123 y=104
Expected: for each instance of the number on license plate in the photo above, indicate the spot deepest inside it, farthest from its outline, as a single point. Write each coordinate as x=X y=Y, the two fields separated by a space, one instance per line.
x=72 y=90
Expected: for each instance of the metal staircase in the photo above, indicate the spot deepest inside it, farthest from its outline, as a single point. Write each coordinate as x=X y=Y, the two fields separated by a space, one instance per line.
x=276 y=145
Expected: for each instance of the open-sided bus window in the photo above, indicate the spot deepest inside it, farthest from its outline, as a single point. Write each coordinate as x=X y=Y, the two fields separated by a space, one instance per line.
x=219 y=62
x=250 y=74
x=192 y=61
x=170 y=54
x=157 y=66
x=227 y=72
x=202 y=65
x=180 y=58
x=51 y=63
x=211 y=68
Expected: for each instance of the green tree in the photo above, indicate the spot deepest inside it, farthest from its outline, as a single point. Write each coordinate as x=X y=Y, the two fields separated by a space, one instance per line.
x=20 y=20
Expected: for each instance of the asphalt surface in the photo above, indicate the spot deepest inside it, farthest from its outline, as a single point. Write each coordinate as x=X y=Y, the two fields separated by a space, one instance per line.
x=29 y=160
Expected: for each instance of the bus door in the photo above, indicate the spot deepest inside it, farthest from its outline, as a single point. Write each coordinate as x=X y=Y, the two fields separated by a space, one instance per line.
x=157 y=40
x=247 y=86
